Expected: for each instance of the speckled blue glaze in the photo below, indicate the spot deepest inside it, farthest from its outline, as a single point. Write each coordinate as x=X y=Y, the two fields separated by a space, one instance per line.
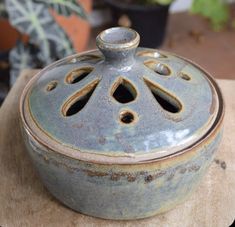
x=122 y=192
x=98 y=165
x=99 y=119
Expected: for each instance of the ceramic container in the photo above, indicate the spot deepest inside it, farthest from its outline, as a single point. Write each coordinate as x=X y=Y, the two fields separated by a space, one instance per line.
x=121 y=132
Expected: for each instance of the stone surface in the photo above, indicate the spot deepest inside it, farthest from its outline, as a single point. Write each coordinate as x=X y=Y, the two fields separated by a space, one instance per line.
x=25 y=202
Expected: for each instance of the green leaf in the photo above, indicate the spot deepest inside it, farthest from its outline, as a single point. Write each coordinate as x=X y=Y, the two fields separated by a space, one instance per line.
x=21 y=57
x=35 y=20
x=215 y=10
x=65 y=7
x=233 y=23
x=160 y=2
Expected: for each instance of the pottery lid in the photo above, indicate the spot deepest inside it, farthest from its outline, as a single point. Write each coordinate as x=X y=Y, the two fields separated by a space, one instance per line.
x=120 y=104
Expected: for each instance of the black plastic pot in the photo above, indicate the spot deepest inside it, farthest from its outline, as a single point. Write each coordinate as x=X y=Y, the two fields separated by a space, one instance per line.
x=148 y=20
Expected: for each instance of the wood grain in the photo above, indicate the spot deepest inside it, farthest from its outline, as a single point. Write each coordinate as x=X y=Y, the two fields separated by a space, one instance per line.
x=25 y=202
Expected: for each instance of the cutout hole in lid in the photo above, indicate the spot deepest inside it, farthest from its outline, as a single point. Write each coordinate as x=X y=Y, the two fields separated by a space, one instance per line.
x=78 y=74
x=127 y=117
x=151 y=54
x=123 y=91
x=52 y=85
x=167 y=101
x=85 y=58
x=158 y=67
x=78 y=101
x=185 y=76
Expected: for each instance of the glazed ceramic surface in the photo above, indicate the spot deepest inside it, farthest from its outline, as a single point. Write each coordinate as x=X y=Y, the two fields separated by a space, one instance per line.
x=122 y=132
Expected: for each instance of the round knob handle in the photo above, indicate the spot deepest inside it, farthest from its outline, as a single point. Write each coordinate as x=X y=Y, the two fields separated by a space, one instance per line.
x=118 y=44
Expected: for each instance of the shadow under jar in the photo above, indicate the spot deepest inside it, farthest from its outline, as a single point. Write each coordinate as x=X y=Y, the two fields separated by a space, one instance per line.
x=122 y=132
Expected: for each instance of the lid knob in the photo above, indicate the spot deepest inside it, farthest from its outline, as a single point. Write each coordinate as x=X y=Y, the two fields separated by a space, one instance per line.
x=118 y=44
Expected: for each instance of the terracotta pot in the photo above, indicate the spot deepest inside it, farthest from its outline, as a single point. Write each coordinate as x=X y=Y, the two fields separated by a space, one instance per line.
x=76 y=28
x=10 y=35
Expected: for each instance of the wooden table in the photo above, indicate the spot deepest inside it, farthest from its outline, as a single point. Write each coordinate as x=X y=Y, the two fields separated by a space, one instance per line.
x=25 y=202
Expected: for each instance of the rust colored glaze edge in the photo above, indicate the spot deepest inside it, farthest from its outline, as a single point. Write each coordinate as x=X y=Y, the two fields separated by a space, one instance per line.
x=34 y=131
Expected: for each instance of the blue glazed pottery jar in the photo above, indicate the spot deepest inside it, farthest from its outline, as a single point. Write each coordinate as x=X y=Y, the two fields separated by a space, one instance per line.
x=122 y=132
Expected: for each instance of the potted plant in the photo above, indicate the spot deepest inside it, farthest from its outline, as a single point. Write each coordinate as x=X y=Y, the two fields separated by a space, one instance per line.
x=216 y=11
x=147 y=17
x=42 y=34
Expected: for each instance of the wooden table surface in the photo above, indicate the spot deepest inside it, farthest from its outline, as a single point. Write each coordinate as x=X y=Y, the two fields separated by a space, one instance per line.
x=25 y=202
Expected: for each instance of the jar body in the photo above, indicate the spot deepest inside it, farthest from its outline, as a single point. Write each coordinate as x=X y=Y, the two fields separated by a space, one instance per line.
x=123 y=191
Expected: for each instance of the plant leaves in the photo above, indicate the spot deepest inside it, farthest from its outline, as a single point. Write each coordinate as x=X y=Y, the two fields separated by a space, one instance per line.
x=233 y=23
x=65 y=7
x=3 y=11
x=215 y=10
x=21 y=57
x=160 y=2
x=35 y=20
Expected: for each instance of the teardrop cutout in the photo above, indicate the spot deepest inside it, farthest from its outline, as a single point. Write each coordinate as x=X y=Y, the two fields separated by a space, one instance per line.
x=185 y=76
x=77 y=102
x=158 y=67
x=123 y=91
x=167 y=101
x=78 y=74
x=151 y=54
x=52 y=85
x=92 y=58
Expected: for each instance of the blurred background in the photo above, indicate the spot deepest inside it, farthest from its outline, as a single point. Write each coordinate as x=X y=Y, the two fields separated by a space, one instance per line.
x=35 y=33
